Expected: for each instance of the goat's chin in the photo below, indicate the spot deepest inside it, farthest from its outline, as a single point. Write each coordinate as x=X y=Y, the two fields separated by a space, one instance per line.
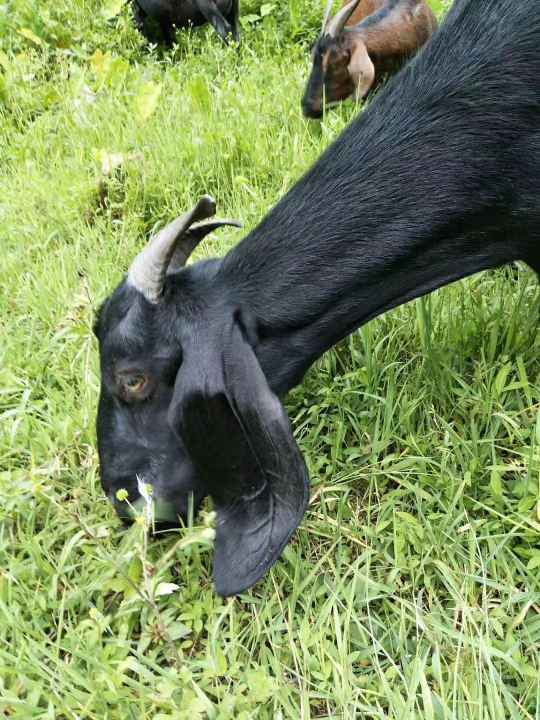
x=161 y=513
x=312 y=113
x=317 y=114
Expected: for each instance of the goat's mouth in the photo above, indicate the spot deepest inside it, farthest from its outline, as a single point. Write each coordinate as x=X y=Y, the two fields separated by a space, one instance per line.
x=159 y=512
x=315 y=112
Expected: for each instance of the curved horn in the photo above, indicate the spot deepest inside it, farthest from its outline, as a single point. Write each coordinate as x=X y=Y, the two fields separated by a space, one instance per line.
x=327 y=16
x=340 y=20
x=148 y=270
x=193 y=237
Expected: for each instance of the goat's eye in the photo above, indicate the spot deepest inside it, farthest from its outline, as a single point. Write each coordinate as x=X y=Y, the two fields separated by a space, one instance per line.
x=135 y=383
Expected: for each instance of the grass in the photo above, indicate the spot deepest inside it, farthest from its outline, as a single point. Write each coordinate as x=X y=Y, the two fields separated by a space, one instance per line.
x=412 y=588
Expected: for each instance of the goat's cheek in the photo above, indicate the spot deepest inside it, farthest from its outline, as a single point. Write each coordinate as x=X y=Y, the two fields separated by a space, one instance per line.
x=333 y=89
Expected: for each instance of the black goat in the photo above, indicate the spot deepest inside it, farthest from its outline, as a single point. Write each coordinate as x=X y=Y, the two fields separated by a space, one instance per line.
x=439 y=178
x=158 y=20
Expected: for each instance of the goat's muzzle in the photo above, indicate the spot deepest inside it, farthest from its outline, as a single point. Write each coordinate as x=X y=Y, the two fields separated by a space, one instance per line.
x=312 y=110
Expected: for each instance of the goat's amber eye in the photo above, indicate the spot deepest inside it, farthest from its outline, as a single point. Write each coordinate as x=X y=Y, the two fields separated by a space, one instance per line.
x=134 y=383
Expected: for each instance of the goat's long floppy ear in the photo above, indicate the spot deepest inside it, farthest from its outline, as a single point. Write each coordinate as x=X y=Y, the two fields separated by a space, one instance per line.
x=361 y=70
x=239 y=439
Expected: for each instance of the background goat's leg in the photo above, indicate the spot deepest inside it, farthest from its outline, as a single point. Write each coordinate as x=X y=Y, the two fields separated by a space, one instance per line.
x=212 y=13
x=234 y=19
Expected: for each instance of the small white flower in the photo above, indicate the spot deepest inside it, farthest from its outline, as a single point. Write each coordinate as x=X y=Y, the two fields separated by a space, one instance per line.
x=145 y=491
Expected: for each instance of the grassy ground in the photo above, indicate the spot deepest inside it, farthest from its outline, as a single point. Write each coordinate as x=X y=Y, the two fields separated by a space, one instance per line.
x=412 y=588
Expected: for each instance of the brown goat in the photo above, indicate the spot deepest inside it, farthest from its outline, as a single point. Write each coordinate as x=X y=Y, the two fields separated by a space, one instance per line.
x=351 y=57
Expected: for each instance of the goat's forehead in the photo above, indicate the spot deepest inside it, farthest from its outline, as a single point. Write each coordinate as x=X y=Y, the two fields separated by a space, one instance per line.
x=118 y=306
x=326 y=43
x=127 y=322
x=119 y=348
x=122 y=319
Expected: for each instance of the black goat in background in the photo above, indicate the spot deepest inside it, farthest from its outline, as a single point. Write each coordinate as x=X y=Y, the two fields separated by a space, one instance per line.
x=439 y=178
x=158 y=20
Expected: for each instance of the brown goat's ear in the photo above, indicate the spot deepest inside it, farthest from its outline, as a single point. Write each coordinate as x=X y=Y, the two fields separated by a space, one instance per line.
x=361 y=70
x=240 y=441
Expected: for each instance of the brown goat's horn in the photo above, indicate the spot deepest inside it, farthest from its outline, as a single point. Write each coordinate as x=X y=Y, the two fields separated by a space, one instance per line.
x=148 y=270
x=327 y=16
x=340 y=20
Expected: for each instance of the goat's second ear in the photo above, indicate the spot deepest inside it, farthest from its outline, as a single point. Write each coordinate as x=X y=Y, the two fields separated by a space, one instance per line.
x=361 y=70
x=240 y=441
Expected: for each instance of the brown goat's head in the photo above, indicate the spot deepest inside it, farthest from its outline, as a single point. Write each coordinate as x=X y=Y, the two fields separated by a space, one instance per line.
x=340 y=65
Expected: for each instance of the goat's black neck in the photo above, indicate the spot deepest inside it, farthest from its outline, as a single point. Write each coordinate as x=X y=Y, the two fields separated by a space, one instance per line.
x=426 y=187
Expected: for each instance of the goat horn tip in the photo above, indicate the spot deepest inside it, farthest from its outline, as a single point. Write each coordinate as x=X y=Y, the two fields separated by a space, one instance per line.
x=206 y=207
x=234 y=223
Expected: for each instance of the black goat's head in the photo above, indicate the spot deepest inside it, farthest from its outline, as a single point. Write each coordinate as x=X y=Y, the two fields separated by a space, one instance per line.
x=185 y=406
x=341 y=65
